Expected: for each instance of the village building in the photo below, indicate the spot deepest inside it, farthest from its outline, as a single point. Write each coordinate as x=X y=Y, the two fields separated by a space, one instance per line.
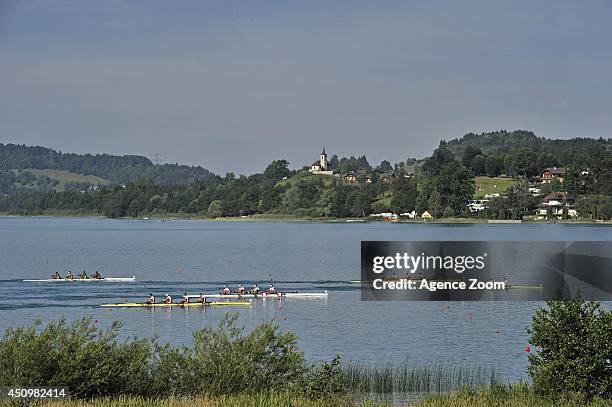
x=350 y=177
x=477 y=205
x=557 y=205
x=426 y=215
x=552 y=173
x=321 y=166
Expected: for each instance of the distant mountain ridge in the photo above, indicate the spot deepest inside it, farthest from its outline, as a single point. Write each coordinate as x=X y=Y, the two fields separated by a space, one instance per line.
x=499 y=142
x=117 y=169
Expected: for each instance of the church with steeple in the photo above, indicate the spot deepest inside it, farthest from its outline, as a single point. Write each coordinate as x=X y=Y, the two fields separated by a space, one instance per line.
x=322 y=165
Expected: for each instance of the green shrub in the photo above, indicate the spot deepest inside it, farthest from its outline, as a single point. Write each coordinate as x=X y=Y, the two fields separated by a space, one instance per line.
x=89 y=361
x=325 y=382
x=227 y=361
x=574 y=340
x=93 y=363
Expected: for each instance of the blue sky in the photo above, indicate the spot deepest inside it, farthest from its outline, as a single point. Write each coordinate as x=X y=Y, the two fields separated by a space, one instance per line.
x=233 y=85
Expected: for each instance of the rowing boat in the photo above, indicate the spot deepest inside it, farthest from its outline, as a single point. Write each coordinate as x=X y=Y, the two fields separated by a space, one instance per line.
x=265 y=295
x=189 y=304
x=84 y=280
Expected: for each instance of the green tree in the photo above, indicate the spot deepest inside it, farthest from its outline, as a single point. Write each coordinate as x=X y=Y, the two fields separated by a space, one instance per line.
x=574 y=340
x=546 y=160
x=333 y=162
x=215 y=209
x=359 y=202
x=277 y=170
x=521 y=162
x=292 y=198
x=477 y=165
x=404 y=196
x=385 y=166
x=493 y=166
x=469 y=154
x=437 y=162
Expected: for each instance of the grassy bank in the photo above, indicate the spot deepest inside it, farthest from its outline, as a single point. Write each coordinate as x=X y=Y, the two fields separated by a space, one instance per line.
x=240 y=400
x=512 y=396
x=517 y=395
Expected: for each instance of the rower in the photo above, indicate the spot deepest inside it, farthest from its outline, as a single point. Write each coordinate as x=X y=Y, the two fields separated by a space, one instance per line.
x=56 y=276
x=83 y=275
x=240 y=289
x=226 y=290
x=185 y=299
x=69 y=276
x=202 y=299
x=255 y=290
x=151 y=299
x=97 y=276
x=167 y=299
x=271 y=289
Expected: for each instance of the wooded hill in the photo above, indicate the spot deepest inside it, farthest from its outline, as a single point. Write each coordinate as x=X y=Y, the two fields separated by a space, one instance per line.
x=117 y=169
x=567 y=151
x=442 y=184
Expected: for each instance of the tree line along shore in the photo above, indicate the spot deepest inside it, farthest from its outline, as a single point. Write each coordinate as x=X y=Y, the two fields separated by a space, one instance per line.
x=498 y=176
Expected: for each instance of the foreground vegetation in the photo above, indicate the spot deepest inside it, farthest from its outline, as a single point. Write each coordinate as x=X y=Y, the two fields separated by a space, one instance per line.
x=222 y=361
x=519 y=395
x=225 y=366
x=498 y=396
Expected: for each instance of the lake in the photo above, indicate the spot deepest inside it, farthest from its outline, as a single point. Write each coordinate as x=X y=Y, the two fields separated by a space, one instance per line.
x=177 y=256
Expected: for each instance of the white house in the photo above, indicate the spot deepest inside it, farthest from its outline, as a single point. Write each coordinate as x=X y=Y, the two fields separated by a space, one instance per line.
x=557 y=203
x=477 y=205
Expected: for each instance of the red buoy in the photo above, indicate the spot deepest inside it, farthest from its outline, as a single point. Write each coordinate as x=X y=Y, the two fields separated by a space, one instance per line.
x=527 y=349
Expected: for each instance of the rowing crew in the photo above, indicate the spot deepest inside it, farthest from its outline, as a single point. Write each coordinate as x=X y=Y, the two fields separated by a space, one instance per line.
x=168 y=299
x=81 y=276
x=241 y=290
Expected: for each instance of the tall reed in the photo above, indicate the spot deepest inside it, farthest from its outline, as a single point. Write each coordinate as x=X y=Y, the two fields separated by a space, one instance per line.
x=416 y=378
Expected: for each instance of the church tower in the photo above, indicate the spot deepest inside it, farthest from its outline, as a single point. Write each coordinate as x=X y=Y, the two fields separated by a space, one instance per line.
x=323 y=160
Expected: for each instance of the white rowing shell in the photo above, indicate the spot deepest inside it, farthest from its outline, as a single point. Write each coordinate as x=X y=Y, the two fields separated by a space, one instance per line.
x=85 y=280
x=265 y=295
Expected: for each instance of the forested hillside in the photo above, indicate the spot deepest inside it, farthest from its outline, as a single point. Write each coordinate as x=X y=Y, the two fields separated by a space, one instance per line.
x=117 y=169
x=575 y=151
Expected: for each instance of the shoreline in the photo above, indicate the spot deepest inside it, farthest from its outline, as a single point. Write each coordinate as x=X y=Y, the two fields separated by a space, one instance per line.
x=294 y=218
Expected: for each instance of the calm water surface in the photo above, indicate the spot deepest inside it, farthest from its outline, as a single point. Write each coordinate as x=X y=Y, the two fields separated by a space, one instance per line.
x=174 y=256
